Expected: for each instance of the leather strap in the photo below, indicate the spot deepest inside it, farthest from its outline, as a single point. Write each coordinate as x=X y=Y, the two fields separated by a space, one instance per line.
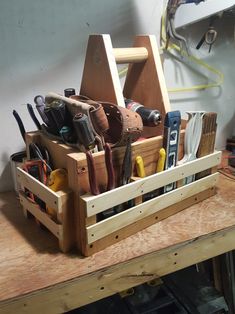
x=123 y=123
x=96 y=112
x=111 y=123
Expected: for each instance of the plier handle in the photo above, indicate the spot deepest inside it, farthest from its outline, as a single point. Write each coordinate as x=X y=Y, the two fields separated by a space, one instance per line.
x=94 y=187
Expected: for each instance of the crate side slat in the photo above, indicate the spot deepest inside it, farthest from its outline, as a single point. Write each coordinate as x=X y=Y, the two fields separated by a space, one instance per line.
x=105 y=227
x=39 y=189
x=137 y=226
x=99 y=203
x=41 y=216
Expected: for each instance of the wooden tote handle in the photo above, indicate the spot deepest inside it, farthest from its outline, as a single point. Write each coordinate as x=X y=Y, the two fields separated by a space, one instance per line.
x=130 y=55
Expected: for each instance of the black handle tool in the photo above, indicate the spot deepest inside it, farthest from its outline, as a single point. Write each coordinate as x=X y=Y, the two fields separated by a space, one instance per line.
x=34 y=118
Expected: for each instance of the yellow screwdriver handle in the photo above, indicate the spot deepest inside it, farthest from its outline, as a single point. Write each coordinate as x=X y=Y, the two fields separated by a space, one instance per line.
x=140 y=166
x=161 y=160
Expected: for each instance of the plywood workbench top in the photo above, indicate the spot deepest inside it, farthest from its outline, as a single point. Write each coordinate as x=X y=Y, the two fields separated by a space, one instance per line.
x=31 y=261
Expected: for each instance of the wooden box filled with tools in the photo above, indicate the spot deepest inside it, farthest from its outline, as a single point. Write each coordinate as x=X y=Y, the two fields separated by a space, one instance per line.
x=137 y=200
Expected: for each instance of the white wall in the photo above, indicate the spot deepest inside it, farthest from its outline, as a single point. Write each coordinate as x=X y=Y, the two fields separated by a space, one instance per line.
x=43 y=47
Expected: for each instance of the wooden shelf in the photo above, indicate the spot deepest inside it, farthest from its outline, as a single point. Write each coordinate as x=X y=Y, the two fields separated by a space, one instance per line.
x=37 y=278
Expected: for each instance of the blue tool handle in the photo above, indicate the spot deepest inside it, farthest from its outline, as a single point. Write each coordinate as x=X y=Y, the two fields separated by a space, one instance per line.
x=193 y=1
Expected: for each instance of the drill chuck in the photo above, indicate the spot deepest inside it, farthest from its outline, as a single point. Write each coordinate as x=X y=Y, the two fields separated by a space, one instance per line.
x=150 y=117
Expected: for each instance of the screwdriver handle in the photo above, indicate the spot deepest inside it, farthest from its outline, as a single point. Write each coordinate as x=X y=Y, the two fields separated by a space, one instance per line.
x=84 y=131
x=40 y=106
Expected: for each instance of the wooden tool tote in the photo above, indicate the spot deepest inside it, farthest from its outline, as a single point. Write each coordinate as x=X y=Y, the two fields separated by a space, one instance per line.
x=145 y=84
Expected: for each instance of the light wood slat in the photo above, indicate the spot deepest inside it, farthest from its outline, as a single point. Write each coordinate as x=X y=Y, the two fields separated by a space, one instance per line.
x=127 y=55
x=41 y=216
x=127 y=217
x=39 y=189
x=99 y=203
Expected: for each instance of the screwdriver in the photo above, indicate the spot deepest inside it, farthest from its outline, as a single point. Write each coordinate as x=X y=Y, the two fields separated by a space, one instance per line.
x=86 y=138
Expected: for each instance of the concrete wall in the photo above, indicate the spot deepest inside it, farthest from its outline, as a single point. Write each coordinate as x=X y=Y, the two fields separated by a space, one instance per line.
x=43 y=47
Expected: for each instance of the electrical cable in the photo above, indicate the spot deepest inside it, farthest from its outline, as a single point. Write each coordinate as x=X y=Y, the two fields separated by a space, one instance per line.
x=193 y=59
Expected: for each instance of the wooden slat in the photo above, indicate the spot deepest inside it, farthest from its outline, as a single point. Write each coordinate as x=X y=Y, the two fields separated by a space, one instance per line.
x=130 y=55
x=39 y=189
x=127 y=217
x=97 y=204
x=137 y=226
x=67 y=220
x=41 y=216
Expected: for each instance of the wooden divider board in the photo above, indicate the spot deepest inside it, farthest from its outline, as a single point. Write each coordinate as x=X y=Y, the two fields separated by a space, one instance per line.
x=100 y=80
x=145 y=82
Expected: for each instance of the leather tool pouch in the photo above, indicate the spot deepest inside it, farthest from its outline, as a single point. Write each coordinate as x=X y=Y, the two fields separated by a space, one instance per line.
x=123 y=123
x=94 y=111
x=110 y=123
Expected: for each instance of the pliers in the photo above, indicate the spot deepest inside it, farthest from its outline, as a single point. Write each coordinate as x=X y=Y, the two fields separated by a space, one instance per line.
x=94 y=187
x=87 y=142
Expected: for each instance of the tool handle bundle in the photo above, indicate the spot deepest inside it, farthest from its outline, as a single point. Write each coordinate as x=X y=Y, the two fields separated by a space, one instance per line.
x=92 y=126
x=108 y=122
